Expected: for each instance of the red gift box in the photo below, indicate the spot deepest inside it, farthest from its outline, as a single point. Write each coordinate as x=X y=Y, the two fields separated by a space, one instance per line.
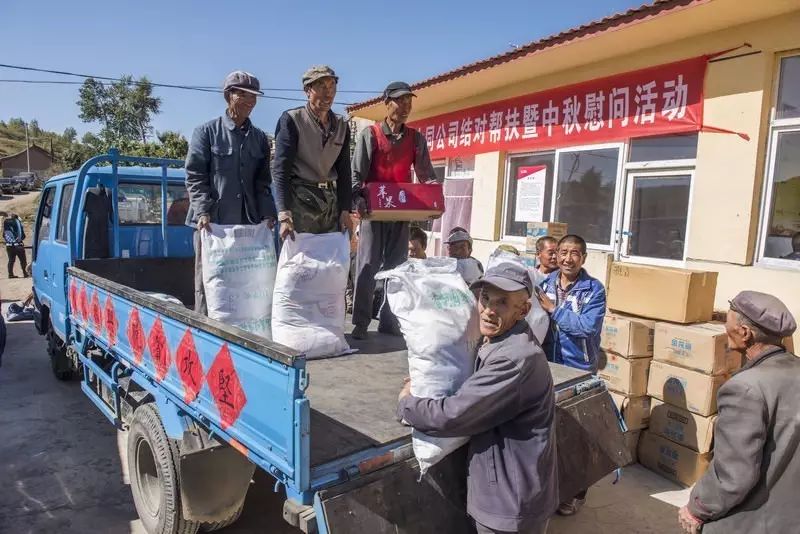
x=392 y=201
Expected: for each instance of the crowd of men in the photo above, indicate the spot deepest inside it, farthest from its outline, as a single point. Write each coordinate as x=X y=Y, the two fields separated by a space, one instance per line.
x=507 y=406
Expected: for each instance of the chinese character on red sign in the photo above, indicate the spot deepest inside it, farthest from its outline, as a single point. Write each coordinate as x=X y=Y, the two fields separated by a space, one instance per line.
x=135 y=334
x=110 y=319
x=189 y=367
x=159 y=349
x=83 y=304
x=97 y=313
x=225 y=387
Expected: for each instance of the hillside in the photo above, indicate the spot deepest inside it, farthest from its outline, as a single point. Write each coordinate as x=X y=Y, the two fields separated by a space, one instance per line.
x=12 y=137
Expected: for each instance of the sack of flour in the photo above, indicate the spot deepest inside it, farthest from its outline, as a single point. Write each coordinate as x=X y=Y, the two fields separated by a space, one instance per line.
x=438 y=316
x=238 y=275
x=537 y=318
x=308 y=302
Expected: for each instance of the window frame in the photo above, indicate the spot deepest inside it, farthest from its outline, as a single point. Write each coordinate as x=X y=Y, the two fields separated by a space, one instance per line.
x=160 y=200
x=506 y=180
x=776 y=128
x=61 y=207
x=38 y=237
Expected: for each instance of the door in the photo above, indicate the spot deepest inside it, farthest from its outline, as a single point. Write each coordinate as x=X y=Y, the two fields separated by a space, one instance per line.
x=58 y=251
x=42 y=265
x=656 y=217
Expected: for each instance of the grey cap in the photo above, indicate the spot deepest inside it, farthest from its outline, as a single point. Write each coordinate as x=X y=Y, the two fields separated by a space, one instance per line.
x=508 y=276
x=458 y=235
x=318 y=72
x=242 y=80
x=397 y=89
x=765 y=311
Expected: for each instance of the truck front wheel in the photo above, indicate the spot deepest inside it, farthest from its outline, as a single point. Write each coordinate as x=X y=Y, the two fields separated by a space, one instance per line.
x=155 y=482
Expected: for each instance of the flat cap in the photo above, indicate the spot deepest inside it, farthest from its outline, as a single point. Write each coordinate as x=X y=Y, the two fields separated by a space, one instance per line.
x=765 y=311
x=458 y=235
x=318 y=72
x=508 y=275
x=245 y=81
x=397 y=89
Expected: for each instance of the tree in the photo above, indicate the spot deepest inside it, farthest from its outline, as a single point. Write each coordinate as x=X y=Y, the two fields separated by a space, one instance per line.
x=34 y=129
x=125 y=108
x=70 y=135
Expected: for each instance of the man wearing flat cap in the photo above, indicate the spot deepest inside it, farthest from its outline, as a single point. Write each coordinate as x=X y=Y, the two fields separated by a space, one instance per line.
x=753 y=483
x=227 y=170
x=312 y=162
x=385 y=152
x=507 y=408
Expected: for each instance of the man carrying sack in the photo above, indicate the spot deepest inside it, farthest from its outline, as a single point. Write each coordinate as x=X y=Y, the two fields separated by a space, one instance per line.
x=385 y=152
x=312 y=162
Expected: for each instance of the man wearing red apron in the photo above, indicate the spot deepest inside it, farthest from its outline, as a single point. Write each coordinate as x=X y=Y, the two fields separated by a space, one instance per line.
x=385 y=152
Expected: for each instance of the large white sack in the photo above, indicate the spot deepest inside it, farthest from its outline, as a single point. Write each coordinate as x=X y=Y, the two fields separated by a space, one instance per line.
x=308 y=303
x=537 y=318
x=239 y=267
x=438 y=316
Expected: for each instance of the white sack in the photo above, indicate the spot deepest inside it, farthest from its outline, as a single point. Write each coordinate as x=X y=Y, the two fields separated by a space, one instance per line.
x=438 y=316
x=308 y=303
x=470 y=269
x=238 y=275
x=537 y=318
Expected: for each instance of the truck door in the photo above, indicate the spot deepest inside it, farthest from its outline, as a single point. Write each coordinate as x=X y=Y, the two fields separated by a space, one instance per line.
x=60 y=259
x=41 y=266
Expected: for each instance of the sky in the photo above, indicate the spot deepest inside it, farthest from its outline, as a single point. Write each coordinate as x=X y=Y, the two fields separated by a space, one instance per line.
x=368 y=43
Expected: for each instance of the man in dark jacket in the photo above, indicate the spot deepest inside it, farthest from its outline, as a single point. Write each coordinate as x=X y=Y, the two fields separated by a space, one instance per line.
x=507 y=407
x=14 y=236
x=227 y=170
x=751 y=485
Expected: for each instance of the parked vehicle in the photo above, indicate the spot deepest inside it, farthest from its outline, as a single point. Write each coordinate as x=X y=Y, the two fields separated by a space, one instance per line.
x=28 y=180
x=205 y=404
x=7 y=185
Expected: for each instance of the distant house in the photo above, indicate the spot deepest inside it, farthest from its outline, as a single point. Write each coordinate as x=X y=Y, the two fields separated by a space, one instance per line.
x=41 y=161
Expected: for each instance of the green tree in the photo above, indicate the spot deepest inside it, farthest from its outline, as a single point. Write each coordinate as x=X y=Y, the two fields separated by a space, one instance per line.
x=125 y=109
x=70 y=135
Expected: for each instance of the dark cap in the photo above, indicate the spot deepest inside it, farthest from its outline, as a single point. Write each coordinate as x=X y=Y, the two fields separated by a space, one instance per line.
x=506 y=275
x=765 y=311
x=397 y=89
x=245 y=81
x=317 y=72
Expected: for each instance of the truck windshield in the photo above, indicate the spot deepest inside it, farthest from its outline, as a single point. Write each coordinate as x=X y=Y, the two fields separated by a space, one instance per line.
x=140 y=204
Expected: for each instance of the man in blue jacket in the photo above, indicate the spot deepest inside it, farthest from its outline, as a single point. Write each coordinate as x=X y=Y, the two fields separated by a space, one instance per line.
x=576 y=303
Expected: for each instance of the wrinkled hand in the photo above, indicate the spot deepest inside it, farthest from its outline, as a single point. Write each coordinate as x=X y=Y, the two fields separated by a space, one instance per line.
x=545 y=302
x=287 y=230
x=689 y=523
x=361 y=206
x=346 y=223
x=269 y=221
x=406 y=391
x=204 y=223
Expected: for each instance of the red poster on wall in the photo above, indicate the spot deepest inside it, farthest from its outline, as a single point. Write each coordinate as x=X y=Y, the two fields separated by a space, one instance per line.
x=666 y=99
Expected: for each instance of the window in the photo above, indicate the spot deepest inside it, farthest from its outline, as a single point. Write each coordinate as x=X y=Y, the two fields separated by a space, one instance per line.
x=586 y=191
x=658 y=212
x=519 y=209
x=177 y=204
x=780 y=243
x=663 y=148
x=63 y=212
x=45 y=212
x=139 y=204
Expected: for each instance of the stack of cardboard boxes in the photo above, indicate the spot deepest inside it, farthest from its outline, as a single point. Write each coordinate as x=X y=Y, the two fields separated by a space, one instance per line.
x=687 y=363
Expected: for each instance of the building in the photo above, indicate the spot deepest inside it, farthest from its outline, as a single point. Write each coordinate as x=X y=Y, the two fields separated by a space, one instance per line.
x=41 y=161
x=665 y=135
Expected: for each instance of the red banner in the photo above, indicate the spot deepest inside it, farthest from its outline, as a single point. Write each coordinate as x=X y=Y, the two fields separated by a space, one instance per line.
x=665 y=99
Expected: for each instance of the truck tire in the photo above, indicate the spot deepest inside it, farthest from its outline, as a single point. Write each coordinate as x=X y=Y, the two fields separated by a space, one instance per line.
x=155 y=482
x=217 y=525
x=57 y=350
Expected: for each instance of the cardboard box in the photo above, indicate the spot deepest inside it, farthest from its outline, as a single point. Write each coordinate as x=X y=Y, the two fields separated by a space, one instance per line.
x=676 y=462
x=676 y=295
x=628 y=376
x=632 y=443
x=390 y=201
x=635 y=410
x=702 y=347
x=540 y=229
x=682 y=426
x=684 y=388
x=627 y=336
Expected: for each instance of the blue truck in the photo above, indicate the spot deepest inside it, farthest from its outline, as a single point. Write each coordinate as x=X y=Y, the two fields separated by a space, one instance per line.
x=205 y=404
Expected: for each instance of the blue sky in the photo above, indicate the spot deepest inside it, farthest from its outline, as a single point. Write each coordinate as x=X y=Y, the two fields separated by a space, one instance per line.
x=368 y=43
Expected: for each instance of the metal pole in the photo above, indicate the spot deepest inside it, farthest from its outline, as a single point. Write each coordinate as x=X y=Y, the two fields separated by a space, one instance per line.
x=27 y=148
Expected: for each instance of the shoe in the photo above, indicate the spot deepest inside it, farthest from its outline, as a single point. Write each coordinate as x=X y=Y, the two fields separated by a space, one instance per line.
x=13 y=276
x=570 y=507
x=359 y=332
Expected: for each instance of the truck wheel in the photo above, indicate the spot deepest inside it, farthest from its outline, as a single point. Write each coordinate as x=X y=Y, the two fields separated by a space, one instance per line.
x=154 y=477
x=57 y=350
x=217 y=525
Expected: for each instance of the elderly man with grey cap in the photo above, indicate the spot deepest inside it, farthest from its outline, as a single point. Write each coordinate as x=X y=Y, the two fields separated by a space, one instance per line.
x=385 y=152
x=507 y=407
x=227 y=170
x=312 y=161
x=753 y=483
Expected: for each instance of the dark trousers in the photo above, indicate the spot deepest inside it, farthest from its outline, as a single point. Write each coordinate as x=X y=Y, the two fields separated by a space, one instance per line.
x=381 y=246
x=14 y=252
x=199 y=292
x=537 y=528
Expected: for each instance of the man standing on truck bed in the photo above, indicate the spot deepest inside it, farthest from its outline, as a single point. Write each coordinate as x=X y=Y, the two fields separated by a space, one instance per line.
x=312 y=161
x=227 y=170
x=385 y=152
x=507 y=407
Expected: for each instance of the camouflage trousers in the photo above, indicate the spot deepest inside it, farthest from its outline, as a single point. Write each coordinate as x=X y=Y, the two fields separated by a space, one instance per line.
x=314 y=210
